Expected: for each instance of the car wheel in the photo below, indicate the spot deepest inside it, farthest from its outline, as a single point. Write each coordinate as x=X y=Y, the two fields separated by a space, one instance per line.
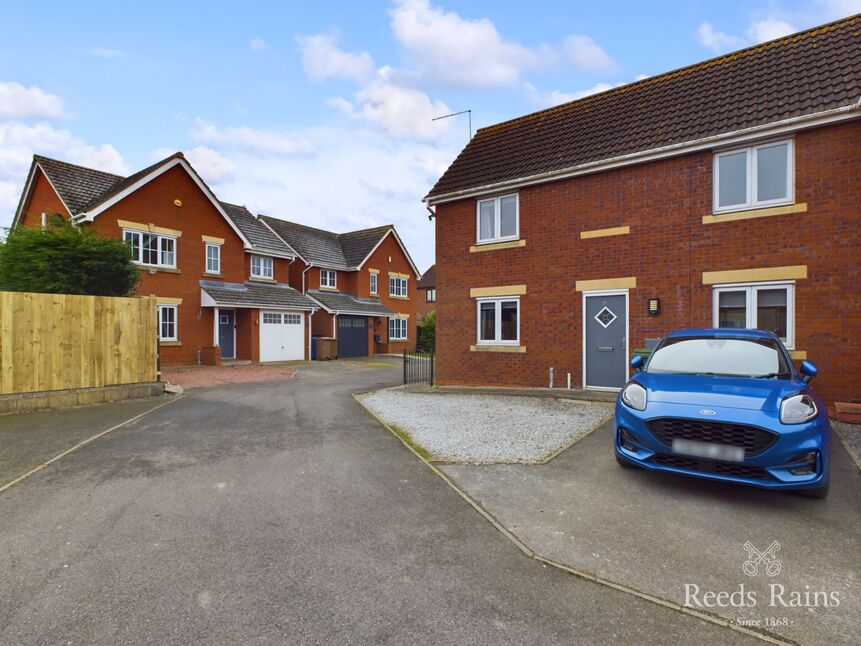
x=624 y=463
x=816 y=492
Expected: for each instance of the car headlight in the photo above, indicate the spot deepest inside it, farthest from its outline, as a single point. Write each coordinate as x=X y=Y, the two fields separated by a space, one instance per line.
x=634 y=395
x=797 y=409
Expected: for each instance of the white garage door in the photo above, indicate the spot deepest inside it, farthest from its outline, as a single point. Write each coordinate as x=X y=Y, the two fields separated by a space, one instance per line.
x=282 y=336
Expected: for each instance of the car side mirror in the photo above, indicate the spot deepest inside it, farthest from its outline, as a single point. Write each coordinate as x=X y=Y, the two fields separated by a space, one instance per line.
x=637 y=363
x=809 y=370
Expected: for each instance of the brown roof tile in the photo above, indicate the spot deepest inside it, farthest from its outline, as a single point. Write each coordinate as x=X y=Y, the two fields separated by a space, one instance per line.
x=802 y=74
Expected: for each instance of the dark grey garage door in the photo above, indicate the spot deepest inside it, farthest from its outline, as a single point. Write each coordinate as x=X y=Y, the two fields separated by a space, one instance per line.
x=352 y=336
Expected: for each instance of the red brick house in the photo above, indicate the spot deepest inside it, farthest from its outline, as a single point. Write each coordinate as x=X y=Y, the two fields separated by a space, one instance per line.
x=222 y=277
x=362 y=281
x=427 y=294
x=726 y=193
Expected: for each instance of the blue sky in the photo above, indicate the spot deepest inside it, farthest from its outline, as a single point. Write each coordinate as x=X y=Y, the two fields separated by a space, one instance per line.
x=321 y=112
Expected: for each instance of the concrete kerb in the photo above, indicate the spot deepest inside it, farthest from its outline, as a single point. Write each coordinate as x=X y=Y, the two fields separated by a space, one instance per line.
x=760 y=634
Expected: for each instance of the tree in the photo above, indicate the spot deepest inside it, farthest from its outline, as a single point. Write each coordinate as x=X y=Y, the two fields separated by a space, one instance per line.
x=427 y=332
x=63 y=259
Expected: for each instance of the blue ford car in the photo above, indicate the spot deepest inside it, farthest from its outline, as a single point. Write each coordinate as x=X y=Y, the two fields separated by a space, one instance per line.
x=727 y=405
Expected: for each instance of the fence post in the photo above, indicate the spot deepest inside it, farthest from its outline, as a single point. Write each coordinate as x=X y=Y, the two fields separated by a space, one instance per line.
x=405 y=367
x=432 y=355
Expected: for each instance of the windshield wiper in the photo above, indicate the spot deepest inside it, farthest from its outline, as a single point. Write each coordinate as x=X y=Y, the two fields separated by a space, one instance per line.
x=772 y=375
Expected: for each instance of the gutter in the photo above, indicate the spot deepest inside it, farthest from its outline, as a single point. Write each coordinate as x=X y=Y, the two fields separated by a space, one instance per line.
x=774 y=127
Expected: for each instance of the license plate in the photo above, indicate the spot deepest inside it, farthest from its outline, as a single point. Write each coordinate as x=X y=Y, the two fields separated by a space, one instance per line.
x=708 y=450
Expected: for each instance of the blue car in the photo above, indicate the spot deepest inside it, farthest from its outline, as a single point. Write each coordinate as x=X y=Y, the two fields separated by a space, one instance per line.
x=726 y=405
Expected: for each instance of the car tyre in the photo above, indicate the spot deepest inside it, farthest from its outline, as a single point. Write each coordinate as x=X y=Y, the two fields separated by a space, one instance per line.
x=816 y=492
x=625 y=463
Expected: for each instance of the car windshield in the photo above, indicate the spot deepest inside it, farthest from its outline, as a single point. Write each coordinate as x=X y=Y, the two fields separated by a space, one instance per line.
x=720 y=356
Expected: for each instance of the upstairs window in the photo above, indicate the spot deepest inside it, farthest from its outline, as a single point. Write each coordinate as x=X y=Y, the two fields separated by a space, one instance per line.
x=431 y=296
x=766 y=306
x=498 y=219
x=397 y=287
x=151 y=249
x=261 y=267
x=374 y=279
x=754 y=176
x=213 y=258
x=328 y=278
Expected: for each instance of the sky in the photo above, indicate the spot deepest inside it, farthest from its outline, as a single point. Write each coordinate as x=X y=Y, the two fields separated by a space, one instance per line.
x=322 y=113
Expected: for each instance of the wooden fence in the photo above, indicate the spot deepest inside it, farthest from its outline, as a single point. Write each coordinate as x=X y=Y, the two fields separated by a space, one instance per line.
x=62 y=341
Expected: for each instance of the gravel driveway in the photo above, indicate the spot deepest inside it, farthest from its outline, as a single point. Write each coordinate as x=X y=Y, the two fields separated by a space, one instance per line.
x=486 y=429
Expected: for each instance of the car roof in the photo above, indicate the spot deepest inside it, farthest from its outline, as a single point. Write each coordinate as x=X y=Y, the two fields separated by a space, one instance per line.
x=725 y=333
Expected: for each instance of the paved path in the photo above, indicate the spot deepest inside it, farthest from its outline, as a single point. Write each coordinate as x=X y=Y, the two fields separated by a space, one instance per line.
x=282 y=513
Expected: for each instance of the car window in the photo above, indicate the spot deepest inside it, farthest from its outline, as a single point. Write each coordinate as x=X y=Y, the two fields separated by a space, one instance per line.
x=732 y=357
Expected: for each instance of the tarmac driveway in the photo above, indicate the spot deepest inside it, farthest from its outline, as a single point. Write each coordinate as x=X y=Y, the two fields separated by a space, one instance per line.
x=280 y=512
x=659 y=532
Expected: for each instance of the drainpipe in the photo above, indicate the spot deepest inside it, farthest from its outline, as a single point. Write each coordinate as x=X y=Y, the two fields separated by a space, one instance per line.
x=334 y=324
x=303 y=275
x=310 y=331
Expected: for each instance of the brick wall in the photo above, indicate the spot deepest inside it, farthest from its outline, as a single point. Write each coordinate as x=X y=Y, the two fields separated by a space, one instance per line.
x=667 y=251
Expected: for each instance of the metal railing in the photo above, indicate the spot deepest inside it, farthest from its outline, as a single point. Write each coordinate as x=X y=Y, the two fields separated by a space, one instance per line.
x=419 y=367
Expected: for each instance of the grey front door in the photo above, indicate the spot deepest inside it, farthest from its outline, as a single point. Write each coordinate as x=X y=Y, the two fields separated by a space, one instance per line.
x=226 y=323
x=606 y=340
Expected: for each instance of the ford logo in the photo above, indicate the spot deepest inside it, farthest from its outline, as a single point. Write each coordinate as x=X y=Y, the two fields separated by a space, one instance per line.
x=706 y=411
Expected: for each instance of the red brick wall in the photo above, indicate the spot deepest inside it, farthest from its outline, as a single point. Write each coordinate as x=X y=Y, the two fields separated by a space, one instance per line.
x=43 y=199
x=667 y=250
x=389 y=257
x=423 y=308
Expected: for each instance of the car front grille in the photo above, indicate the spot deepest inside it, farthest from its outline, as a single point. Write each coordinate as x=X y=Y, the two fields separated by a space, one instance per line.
x=752 y=439
x=711 y=466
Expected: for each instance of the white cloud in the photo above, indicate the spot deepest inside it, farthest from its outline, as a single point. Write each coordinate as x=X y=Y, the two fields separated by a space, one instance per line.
x=19 y=102
x=101 y=52
x=270 y=142
x=323 y=59
x=587 y=55
x=19 y=141
x=402 y=111
x=258 y=44
x=717 y=40
x=471 y=53
x=213 y=167
x=767 y=29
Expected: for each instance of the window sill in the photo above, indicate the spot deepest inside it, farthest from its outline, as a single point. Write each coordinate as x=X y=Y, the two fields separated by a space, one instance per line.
x=258 y=279
x=498 y=348
x=399 y=298
x=152 y=269
x=211 y=275
x=754 y=212
x=170 y=344
x=328 y=289
x=398 y=340
x=493 y=246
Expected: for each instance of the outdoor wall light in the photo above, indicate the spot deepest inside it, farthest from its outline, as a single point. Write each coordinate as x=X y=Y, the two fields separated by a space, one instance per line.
x=177 y=202
x=654 y=306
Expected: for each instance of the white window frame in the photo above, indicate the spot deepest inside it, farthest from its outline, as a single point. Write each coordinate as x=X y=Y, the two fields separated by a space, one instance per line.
x=161 y=309
x=375 y=283
x=750 y=290
x=325 y=275
x=400 y=322
x=206 y=268
x=497 y=219
x=264 y=262
x=497 y=333
x=160 y=239
x=395 y=285
x=430 y=296
x=751 y=201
